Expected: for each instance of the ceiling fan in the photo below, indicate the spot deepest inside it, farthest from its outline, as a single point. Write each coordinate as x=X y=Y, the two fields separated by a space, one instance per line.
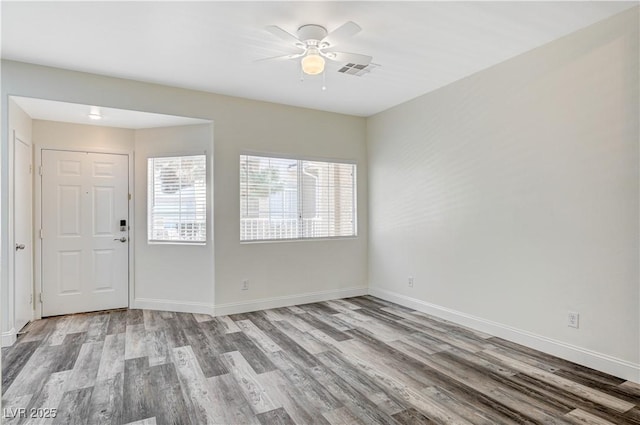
x=316 y=44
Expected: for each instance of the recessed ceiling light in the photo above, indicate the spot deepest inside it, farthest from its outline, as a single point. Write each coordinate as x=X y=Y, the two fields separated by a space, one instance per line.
x=94 y=113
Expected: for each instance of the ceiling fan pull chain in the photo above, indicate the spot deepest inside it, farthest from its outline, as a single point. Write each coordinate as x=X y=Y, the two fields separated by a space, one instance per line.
x=324 y=80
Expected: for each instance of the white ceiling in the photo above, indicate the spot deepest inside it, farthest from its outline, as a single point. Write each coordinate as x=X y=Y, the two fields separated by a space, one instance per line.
x=212 y=46
x=50 y=110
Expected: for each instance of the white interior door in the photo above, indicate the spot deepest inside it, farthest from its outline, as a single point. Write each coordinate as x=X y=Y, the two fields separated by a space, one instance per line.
x=22 y=233
x=85 y=253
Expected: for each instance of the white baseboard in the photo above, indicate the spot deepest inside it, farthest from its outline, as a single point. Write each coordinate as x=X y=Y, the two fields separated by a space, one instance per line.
x=171 y=305
x=288 y=300
x=247 y=306
x=9 y=337
x=599 y=361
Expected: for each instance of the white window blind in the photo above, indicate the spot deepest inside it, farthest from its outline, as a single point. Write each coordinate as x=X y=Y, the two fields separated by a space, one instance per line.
x=177 y=199
x=282 y=198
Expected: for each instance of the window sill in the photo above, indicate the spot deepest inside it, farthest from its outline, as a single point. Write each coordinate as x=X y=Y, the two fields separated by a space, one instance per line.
x=176 y=243
x=261 y=241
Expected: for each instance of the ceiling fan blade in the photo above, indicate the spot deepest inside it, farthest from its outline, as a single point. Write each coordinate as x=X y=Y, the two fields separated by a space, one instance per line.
x=283 y=57
x=348 y=57
x=343 y=32
x=282 y=34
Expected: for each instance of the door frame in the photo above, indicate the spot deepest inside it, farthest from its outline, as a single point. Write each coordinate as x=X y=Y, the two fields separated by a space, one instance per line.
x=10 y=336
x=38 y=148
x=17 y=137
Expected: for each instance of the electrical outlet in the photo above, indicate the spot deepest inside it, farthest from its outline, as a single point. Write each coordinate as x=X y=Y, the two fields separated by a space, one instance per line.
x=410 y=282
x=573 y=319
x=245 y=285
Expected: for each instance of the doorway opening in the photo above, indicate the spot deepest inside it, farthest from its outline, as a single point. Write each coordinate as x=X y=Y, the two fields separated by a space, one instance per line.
x=72 y=211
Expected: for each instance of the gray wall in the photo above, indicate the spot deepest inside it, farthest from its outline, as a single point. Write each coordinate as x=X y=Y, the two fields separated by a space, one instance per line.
x=512 y=196
x=171 y=274
x=283 y=272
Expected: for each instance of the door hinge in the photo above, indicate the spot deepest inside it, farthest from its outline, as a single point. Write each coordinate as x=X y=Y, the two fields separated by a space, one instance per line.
x=41 y=234
x=129 y=196
x=41 y=299
x=30 y=168
x=31 y=299
x=40 y=170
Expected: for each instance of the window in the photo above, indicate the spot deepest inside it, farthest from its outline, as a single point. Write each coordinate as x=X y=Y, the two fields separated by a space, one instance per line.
x=282 y=198
x=177 y=199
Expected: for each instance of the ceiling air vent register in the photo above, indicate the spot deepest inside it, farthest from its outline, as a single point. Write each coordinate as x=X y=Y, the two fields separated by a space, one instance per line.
x=358 y=69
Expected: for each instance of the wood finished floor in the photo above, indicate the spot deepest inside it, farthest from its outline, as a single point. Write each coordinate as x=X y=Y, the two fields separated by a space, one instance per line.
x=355 y=361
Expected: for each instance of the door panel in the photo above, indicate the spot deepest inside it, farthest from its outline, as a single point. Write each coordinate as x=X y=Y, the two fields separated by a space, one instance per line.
x=103 y=211
x=69 y=202
x=85 y=265
x=70 y=272
x=104 y=262
x=22 y=236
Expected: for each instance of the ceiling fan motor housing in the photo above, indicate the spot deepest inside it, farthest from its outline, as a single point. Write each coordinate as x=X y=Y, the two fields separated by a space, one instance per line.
x=311 y=32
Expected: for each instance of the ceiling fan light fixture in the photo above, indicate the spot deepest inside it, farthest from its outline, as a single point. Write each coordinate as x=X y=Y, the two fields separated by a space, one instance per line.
x=314 y=40
x=312 y=63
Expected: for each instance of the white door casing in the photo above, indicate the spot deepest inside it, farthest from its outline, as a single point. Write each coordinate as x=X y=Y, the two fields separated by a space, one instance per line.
x=22 y=233
x=85 y=254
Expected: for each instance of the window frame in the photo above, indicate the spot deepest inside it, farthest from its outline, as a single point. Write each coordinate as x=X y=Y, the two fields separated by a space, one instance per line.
x=300 y=158
x=207 y=183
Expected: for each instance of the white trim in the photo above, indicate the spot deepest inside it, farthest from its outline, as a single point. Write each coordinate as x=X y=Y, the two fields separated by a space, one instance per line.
x=37 y=227
x=296 y=157
x=599 y=361
x=171 y=305
x=9 y=337
x=11 y=334
x=320 y=238
x=132 y=225
x=10 y=254
x=176 y=154
x=288 y=300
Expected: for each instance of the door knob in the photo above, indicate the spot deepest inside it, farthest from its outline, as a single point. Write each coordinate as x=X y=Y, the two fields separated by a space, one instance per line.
x=19 y=246
x=122 y=239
